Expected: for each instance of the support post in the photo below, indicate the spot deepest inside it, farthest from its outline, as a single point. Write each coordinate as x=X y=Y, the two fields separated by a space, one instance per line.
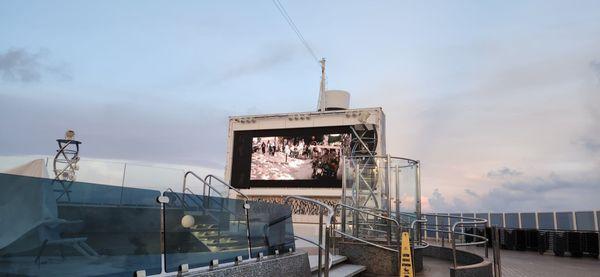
x=320 y=261
x=357 y=189
x=418 y=197
x=327 y=246
x=453 y=247
x=344 y=177
x=485 y=235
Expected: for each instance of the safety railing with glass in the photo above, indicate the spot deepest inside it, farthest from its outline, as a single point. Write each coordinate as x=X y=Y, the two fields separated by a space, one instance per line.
x=76 y=228
x=324 y=237
x=59 y=228
x=451 y=227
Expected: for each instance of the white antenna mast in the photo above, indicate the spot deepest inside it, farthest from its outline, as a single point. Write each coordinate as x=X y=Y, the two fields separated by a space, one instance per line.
x=321 y=104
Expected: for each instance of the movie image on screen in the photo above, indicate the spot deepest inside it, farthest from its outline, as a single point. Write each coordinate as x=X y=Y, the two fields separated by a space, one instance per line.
x=297 y=157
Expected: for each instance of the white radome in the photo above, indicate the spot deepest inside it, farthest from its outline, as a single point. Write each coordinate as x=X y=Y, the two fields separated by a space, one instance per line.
x=187 y=221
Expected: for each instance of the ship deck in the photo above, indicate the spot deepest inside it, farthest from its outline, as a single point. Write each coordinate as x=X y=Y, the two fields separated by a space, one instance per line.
x=514 y=263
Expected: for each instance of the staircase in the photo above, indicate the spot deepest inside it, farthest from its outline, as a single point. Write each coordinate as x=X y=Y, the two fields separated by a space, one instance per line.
x=339 y=267
x=209 y=235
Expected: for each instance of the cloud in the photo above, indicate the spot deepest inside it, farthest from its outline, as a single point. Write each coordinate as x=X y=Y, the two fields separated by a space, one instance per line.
x=503 y=173
x=539 y=194
x=116 y=130
x=548 y=193
x=19 y=65
x=437 y=201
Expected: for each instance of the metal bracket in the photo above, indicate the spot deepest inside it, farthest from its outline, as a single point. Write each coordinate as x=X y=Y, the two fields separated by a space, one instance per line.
x=214 y=264
x=238 y=260
x=184 y=268
x=163 y=199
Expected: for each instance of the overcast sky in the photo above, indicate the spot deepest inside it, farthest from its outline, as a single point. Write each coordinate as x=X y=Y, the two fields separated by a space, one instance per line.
x=499 y=100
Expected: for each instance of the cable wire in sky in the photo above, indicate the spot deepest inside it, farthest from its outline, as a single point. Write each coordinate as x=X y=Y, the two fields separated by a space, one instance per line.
x=295 y=28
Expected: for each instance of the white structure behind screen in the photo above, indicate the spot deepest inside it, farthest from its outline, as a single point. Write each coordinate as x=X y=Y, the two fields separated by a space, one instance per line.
x=356 y=120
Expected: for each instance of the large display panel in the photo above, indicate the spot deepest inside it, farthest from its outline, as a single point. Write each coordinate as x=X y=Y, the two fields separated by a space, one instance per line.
x=299 y=157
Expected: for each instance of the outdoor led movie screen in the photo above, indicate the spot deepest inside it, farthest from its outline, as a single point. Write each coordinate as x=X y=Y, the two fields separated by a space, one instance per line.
x=300 y=157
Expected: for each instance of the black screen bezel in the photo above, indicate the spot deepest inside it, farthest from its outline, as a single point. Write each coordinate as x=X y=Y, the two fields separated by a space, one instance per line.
x=241 y=158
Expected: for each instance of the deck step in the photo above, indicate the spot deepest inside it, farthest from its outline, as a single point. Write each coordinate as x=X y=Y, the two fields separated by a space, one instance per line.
x=313 y=260
x=345 y=270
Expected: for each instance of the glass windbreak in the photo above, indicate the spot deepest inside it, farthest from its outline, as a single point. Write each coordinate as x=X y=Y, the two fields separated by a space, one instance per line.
x=512 y=220
x=443 y=224
x=199 y=229
x=58 y=228
x=585 y=221
x=484 y=216
x=546 y=221
x=564 y=221
x=528 y=221
x=496 y=220
x=403 y=178
x=431 y=226
x=455 y=217
x=270 y=228
x=382 y=183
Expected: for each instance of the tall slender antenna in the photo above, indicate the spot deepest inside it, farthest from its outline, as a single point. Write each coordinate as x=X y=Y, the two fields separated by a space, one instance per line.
x=321 y=103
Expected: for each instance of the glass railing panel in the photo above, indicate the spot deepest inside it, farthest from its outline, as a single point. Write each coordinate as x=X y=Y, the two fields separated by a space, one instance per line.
x=11 y=162
x=431 y=227
x=512 y=220
x=199 y=229
x=106 y=172
x=73 y=228
x=528 y=220
x=546 y=221
x=271 y=228
x=471 y=215
x=564 y=220
x=454 y=219
x=585 y=221
x=496 y=220
x=444 y=225
x=484 y=216
x=153 y=177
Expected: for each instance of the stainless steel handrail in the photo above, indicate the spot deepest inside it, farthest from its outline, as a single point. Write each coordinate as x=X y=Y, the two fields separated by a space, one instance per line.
x=317 y=245
x=366 y=241
x=453 y=234
x=390 y=219
x=366 y=212
x=328 y=230
x=474 y=221
x=205 y=184
x=419 y=242
x=202 y=180
x=210 y=177
x=330 y=210
x=381 y=156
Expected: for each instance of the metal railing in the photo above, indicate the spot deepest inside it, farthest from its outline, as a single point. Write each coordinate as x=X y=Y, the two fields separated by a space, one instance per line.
x=328 y=228
x=452 y=230
x=355 y=235
x=208 y=179
x=204 y=184
x=207 y=183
